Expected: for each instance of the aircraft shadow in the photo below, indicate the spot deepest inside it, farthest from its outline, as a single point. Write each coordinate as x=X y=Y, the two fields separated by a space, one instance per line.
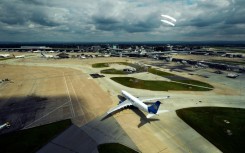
x=106 y=116
x=143 y=119
x=121 y=98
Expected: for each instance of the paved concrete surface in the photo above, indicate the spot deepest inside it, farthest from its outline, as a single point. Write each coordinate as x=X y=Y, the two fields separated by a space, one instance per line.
x=41 y=95
x=70 y=141
x=86 y=138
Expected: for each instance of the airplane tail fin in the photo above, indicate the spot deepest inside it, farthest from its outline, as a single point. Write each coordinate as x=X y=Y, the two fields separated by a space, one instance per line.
x=154 y=107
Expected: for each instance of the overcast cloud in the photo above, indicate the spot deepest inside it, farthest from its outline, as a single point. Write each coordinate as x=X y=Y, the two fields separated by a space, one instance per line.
x=121 y=20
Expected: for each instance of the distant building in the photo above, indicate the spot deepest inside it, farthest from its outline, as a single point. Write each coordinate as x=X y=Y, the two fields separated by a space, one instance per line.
x=168 y=47
x=95 y=48
x=114 y=47
x=34 y=47
x=234 y=55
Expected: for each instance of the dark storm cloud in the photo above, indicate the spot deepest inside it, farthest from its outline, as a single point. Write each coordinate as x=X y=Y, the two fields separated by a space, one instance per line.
x=127 y=24
x=12 y=14
x=236 y=16
x=105 y=19
x=41 y=18
x=18 y=13
x=32 y=2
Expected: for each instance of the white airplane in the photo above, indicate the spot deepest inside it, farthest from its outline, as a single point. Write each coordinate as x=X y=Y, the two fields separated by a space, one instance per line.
x=37 y=51
x=4 y=125
x=184 y=62
x=82 y=57
x=202 y=65
x=47 y=56
x=133 y=101
x=19 y=56
x=4 y=55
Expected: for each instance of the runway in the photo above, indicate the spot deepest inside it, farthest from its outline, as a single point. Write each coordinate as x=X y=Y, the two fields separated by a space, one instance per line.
x=41 y=95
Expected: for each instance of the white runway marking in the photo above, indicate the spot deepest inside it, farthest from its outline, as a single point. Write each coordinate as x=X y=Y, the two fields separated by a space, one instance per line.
x=80 y=108
x=46 y=114
x=3 y=86
x=72 y=109
x=70 y=102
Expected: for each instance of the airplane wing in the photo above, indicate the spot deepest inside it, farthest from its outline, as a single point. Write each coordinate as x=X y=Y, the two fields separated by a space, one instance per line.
x=121 y=105
x=158 y=98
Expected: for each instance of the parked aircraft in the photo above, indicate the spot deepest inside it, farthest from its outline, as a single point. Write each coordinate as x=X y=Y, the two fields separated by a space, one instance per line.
x=4 y=125
x=184 y=62
x=133 y=101
x=47 y=56
x=82 y=57
x=19 y=56
x=232 y=75
x=37 y=51
x=201 y=65
x=4 y=55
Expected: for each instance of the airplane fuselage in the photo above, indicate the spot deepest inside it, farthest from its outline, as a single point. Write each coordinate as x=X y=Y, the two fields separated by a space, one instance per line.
x=135 y=101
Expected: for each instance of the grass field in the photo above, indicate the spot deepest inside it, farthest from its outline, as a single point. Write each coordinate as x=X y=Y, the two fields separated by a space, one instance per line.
x=210 y=123
x=30 y=140
x=113 y=71
x=100 y=65
x=178 y=78
x=2 y=59
x=114 y=148
x=155 y=85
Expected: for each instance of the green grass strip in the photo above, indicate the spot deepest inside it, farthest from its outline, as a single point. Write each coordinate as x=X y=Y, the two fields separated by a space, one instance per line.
x=2 y=59
x=113 y=71
x=30 y=140
x=178 y=78
x=209 y=122
x=155 y=85
x=100 y=65
x=170 y=76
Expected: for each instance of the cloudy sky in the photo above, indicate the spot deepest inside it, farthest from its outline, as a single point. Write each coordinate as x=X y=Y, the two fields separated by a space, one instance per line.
x=121 y=20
